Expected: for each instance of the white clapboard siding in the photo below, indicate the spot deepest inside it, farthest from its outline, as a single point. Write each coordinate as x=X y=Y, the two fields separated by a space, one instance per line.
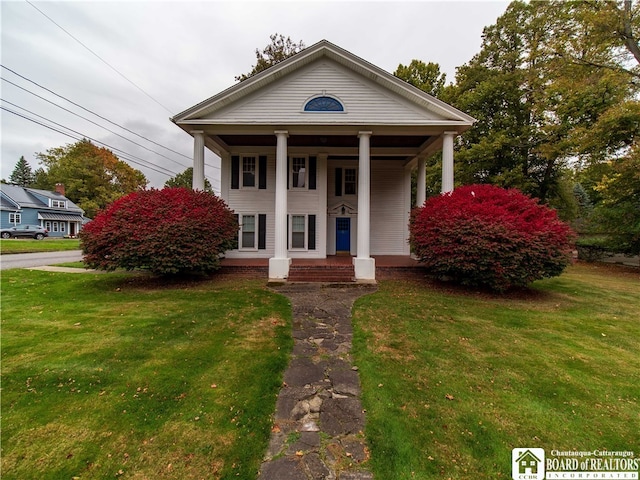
x=364 y=101
x=388 y=215
x=254 y=201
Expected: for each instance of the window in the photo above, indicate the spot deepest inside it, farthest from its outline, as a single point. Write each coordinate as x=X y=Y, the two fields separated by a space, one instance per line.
x=62 y=227
x=323 y=104
x=346 y=181
x=248 y=229
x=299 y=172
x=15 y=218
x=298 y=231
x=58 y=204
x=248 y=171
x=47 y=225
x=55 y=226
x=350 y=181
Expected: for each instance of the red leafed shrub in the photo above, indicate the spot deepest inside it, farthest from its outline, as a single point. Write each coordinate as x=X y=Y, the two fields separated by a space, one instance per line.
x=168 y=231
x=483 y=235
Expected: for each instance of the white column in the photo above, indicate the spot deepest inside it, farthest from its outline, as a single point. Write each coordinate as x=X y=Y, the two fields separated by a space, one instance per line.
x=421 y=182
x=279 y=264
x=407 y=208
x=322 y=204
x=447 y=162
x=198 y=160
x=365 y=267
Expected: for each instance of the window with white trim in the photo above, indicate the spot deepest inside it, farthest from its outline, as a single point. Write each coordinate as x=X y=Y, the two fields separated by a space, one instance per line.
x=350 y=181
x=249 y=170
x=248 y=232
x=62 y=226
x=47 y=225
x=55 y=226
x=58 y=204
x=299 y=169
x=298 y=231
x=15 y=218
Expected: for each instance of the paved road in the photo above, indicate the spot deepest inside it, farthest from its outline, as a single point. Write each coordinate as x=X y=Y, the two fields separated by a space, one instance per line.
x=26 y=260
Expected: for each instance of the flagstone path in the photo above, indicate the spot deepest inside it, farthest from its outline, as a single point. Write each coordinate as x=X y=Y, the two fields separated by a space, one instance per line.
x=319 y=422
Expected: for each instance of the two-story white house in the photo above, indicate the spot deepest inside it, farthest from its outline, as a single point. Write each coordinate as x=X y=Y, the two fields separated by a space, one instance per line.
x=317 y=154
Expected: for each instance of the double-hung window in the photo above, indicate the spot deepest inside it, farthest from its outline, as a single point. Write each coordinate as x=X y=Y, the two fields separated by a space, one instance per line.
x=299 y=172
x=298 y=231
x=248 y=172
x=350 y=181
x=248 y=228
x=15 y=218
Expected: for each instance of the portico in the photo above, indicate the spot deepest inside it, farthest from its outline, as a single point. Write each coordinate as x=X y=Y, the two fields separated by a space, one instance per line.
x=317 y=154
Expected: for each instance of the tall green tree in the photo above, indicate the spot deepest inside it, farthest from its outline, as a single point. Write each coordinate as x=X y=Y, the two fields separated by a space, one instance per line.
x=537 y=112
x=185 y=180
x=278 y=50
x=22 y=174
x=93 y=176
x=425 y=76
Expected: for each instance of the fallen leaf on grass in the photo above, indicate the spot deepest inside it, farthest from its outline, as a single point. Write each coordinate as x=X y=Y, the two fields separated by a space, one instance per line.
x=448 y=396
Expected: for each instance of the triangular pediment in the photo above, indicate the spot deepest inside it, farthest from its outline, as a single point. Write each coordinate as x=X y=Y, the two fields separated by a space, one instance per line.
x=342 y=208
x=369 y=94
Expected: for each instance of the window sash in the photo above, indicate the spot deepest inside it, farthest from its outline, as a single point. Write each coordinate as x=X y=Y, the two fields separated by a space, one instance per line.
x=15 y=218
x=248 y=228
x=248 y=171
x=350 y=181
x=299 y=172
x=298 y=231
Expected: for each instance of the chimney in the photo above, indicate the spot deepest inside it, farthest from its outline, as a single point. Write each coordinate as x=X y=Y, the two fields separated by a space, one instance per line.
x=60 y=188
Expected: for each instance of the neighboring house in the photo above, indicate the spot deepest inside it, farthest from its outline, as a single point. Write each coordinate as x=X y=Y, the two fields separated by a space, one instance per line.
x=29 y=206
x=317 y=154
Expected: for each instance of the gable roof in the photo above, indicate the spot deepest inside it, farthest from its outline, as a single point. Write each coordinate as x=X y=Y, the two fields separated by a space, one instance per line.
x=324 y=50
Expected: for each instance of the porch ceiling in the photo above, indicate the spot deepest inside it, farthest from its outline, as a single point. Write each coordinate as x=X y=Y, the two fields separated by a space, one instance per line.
x=335 y=141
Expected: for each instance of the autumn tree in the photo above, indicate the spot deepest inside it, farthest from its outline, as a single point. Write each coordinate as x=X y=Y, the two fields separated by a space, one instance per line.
x=185 y=180
x=93 y=176
x=425 y=76
x=22 y=174
x=278 y=50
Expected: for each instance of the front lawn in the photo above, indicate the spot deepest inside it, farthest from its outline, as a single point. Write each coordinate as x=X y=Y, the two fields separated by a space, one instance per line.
x=453 y=380
x=111 y=375
x=28 y=245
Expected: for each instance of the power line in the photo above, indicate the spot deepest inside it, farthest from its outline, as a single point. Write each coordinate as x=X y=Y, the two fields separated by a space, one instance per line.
x=98 y=56
x=86 y=119
x=91 y=112
x=127 y=156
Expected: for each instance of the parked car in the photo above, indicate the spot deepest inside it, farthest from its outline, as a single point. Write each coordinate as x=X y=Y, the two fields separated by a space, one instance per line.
x=34 y=231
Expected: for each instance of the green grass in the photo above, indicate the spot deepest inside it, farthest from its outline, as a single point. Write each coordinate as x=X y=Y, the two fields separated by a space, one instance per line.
x=19 y=245
x=453 y=380
x=107 y=376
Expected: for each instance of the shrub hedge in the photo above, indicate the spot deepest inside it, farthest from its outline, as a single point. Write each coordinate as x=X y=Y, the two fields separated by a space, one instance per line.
x=168 y=231
x=483 y=235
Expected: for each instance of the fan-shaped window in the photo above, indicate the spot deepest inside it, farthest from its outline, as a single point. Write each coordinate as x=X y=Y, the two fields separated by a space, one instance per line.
x=323 y=104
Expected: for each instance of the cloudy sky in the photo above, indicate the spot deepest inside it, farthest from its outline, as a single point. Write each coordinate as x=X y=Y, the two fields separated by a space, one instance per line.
x=143 y=62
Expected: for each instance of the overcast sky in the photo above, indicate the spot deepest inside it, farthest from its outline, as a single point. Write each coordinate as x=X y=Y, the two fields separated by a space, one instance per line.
x=181 y=53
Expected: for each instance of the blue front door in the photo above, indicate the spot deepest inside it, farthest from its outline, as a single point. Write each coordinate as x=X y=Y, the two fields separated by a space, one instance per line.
x=343 y=234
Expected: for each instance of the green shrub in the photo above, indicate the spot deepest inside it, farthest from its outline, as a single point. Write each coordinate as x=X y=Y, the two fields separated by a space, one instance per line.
x=483 y=235
x=168 y=231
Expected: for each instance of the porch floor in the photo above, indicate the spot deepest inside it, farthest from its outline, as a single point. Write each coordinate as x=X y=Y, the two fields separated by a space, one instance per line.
x=382 y=261
x=387 y=267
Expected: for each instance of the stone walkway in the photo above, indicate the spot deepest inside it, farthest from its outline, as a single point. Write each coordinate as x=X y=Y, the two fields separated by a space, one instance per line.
x=319 y=421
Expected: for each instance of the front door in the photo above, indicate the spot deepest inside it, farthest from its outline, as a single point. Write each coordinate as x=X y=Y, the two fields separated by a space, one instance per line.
x=343 y=235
